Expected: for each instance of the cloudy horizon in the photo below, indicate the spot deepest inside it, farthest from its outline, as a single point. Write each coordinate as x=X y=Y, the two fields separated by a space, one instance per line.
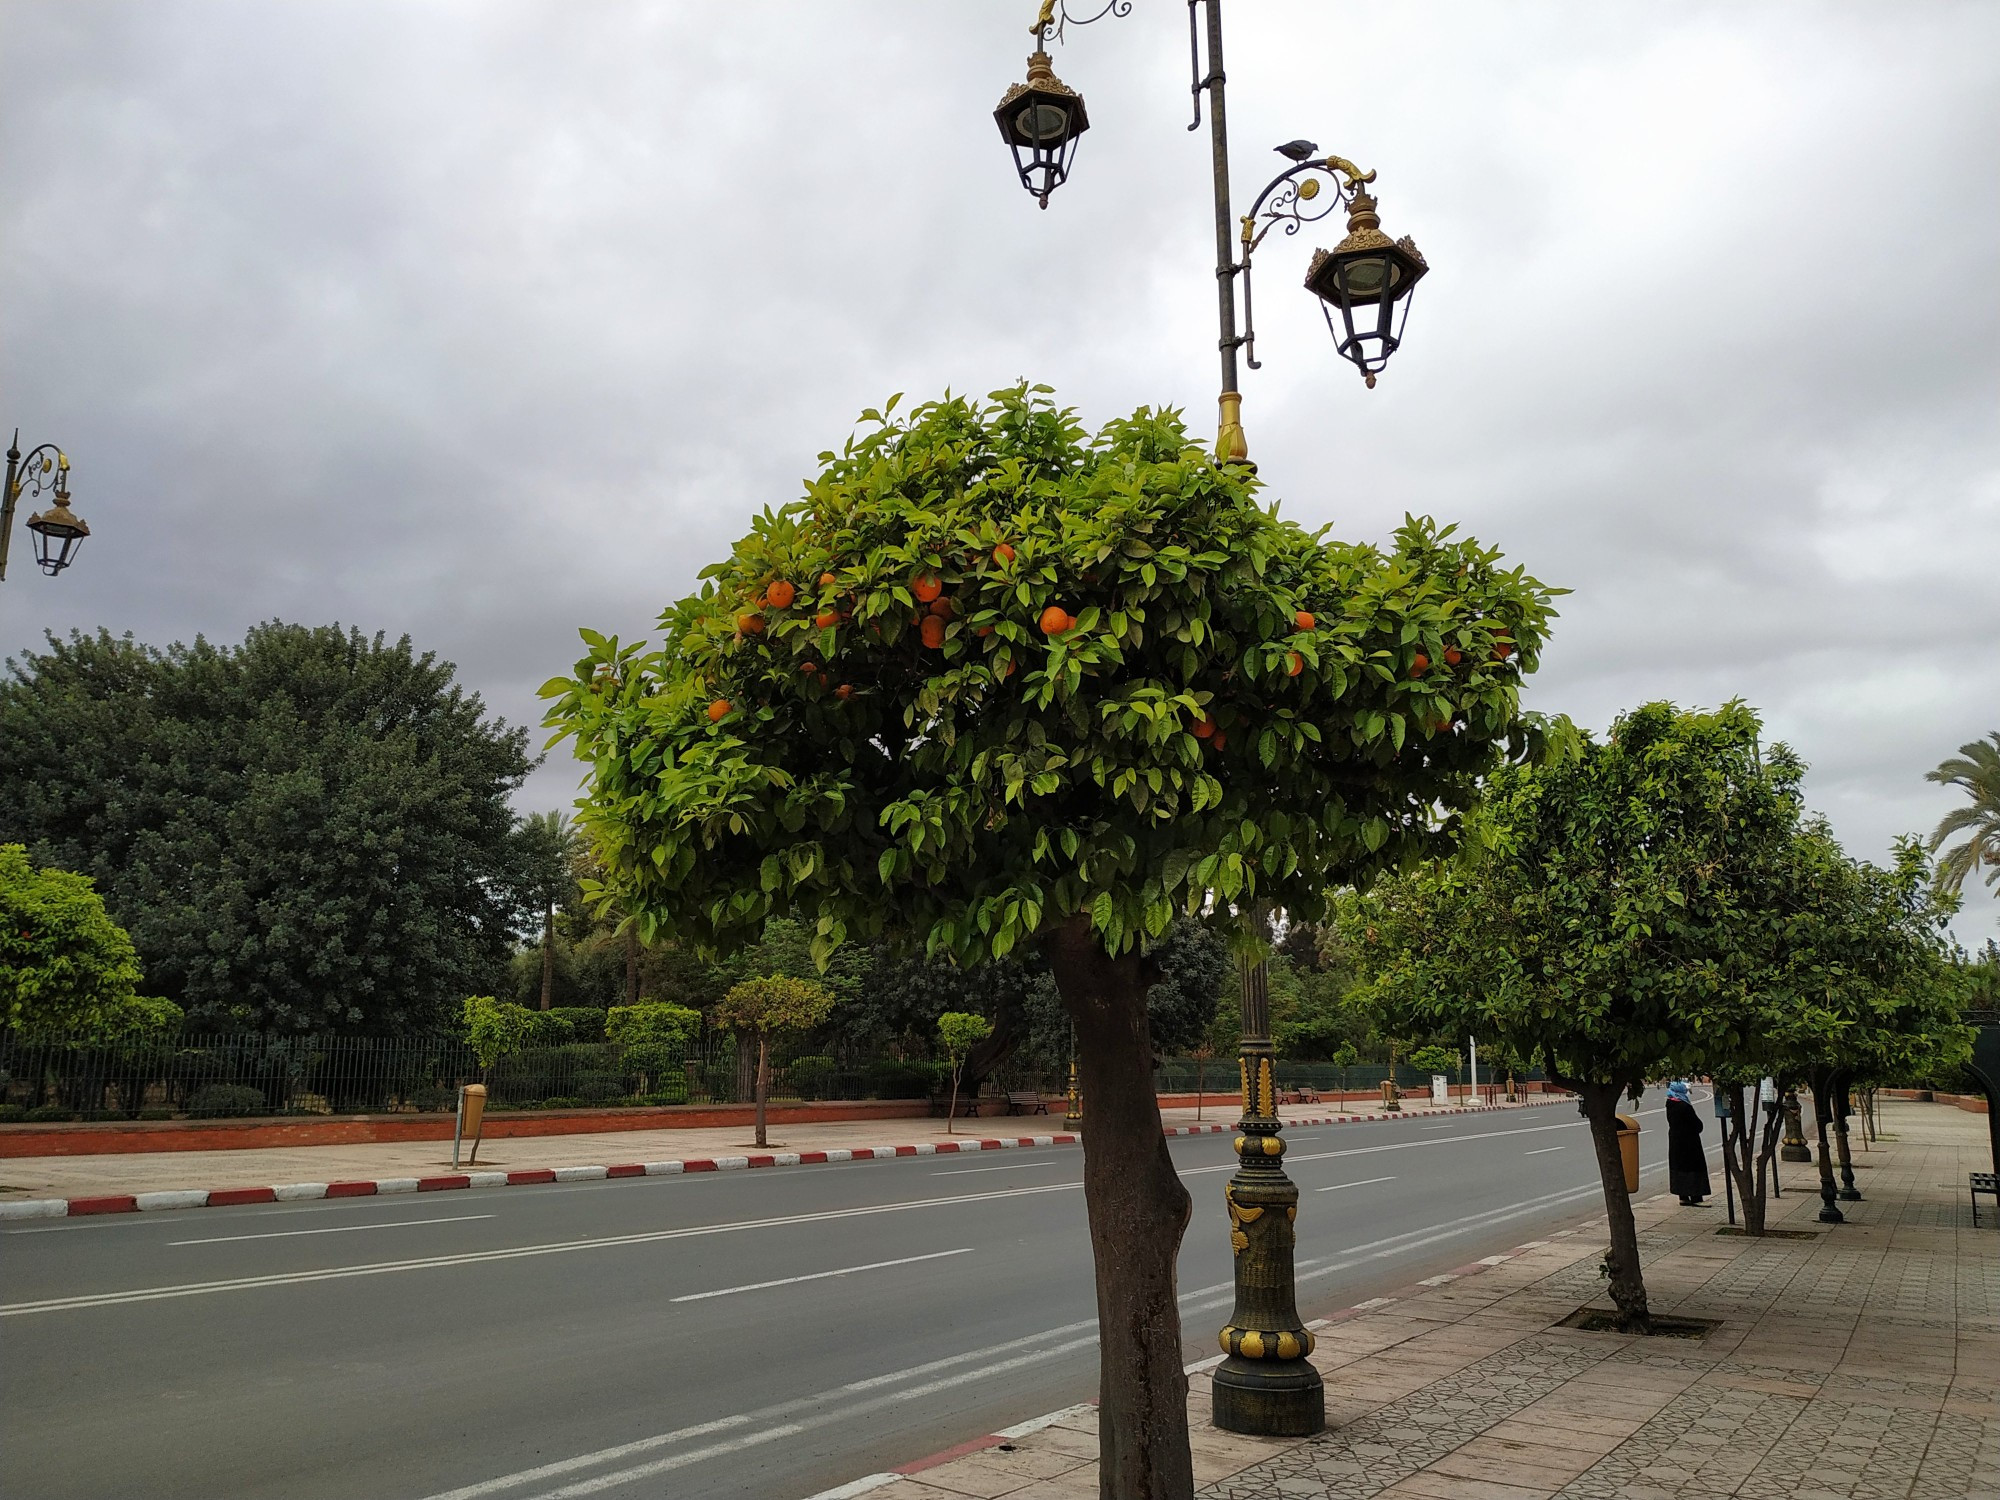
x=480 y=322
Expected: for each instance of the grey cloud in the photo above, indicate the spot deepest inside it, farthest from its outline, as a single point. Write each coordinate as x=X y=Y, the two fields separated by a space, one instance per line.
x=483 y=321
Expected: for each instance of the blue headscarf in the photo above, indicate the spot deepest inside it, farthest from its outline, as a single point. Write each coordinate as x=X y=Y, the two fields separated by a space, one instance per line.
x=1678 y=1090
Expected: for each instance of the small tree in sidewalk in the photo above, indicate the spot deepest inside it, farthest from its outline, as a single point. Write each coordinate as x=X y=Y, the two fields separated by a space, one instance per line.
x=1595 y=923
x=997 y=681
x=960 y=1031
x=764 y=1008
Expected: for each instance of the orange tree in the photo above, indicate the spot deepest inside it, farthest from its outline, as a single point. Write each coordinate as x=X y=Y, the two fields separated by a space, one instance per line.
x=995 y=680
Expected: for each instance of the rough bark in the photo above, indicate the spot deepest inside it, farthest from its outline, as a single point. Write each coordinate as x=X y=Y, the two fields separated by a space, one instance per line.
x=548 y=954
x=1138 y=1212
x=984 y=1057
x=1822 y=1096
x=1849 y=1193
x=1621 y=1262
x=1741 y=1159
x=763 y=1083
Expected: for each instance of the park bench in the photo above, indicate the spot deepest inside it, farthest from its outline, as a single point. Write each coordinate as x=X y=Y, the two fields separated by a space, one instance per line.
x=1984 y=1182
x=1303 y=1094
x=1027 y=1104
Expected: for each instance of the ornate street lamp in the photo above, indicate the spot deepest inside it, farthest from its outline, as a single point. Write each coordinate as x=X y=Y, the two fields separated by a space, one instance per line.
x=1041 y=120
x=59 y=531
x=1365 y=278
x=1265 y=1383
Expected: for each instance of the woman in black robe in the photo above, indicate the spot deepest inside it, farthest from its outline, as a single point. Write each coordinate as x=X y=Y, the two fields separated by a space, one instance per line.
x=1687 y=1163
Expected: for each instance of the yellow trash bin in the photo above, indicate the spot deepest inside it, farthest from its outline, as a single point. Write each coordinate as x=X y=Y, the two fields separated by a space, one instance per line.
x=471 y=1117
x=1628 y=1148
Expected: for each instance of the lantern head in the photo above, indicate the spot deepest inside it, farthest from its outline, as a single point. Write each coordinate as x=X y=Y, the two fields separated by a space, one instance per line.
x=1041 y=120
x=1364 y=278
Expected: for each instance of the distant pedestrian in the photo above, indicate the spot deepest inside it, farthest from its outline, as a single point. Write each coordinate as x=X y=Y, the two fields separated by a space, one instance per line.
x=1687 y=1163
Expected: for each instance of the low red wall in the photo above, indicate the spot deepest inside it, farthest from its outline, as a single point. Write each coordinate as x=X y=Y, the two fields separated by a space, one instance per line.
x=116 y=1137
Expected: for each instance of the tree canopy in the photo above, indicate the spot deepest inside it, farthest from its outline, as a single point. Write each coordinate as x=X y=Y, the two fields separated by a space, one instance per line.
x=1975 y=770
x=993 y=672
x=66 y=969
x=309 y=830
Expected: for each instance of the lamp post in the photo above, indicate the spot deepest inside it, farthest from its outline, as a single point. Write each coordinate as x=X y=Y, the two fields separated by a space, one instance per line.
x=1265 y=1385
x=59 y=531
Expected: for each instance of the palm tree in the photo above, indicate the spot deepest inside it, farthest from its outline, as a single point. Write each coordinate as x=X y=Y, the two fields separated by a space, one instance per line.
x=1976 y=770
x=548 y=847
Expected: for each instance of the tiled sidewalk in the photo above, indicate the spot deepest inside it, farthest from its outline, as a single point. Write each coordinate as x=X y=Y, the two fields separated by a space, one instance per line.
x=1862 y=1363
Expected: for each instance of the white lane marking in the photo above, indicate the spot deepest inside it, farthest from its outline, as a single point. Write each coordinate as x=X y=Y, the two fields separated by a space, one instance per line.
x=288 y=1234
x=519 y=1252
x=1544 y=1151
x=1364 y=1182
x=1012 y=1166
x=1198 y=1300
x=873 y=1265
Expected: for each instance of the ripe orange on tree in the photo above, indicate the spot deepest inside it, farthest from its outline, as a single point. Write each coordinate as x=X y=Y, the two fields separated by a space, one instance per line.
x=942 y=608
x=1453 y=656
x=932 y=631
x=826 y=619
x=926 y=587
x=1003 y=553
x=844 y=691
x=1419 y=664
x=717 y=710
x=780 y=595
x=827 y=580
x=750 y=624
x=1304 y=619
x=1203 y=727
x=984 y=630
x=1055 y=620
x=1294 y=663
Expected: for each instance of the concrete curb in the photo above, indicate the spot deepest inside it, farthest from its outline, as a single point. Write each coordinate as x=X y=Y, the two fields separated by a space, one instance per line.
x=855 y=1488
x=126 y=1203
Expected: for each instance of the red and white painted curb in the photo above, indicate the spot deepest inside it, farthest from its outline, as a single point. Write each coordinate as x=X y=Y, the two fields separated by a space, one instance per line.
x=126 y=1203
x=1006 y=1436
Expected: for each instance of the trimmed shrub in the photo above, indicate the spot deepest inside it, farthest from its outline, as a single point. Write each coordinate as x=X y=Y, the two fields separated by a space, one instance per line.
x=810 y=1076
x=217 y=1100
x=668 y=1025
x=586 y=1022
x=889 y=1079
x=45 y=1114
x=672 y=1090
x=547 y=1028
x=562 y=1101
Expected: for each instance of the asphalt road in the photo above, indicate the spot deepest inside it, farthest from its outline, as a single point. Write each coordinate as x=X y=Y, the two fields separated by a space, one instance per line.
x=744 y=1334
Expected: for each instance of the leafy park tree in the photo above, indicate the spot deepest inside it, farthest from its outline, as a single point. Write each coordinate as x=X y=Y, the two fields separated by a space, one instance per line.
x=1975 y=770
x=769 y=1007
x=960 y=1031
x=655 y=1038
x=996 y=680
x=1602 y=924
x=305 y=831
x=67 y=969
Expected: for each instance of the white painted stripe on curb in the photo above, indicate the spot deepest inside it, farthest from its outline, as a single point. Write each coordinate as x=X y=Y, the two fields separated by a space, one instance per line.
x=294 y=1192
x=664 y=1168
x=1373 y=1302
x=1493 y=1260
x=581 y=1174
x=731 y=1163
x=1439 y=1280
x=395 y=1185
x=35 y=1208
x=856 y=1487
x=839 y=1155
x=785 y=1159
x=176 y=1198
x=1046 y=1419
x=926 y=1148
x=486 y=1179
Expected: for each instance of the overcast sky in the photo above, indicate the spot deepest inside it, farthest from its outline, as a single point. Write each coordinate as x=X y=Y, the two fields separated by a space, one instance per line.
x=483 y=321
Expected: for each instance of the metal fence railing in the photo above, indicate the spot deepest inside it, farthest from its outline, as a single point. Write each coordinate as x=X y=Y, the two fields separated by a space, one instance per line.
x=254 y=1074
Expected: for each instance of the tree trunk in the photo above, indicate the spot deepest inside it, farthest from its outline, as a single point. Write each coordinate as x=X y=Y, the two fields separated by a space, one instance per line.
x=1741 y=1161
x=631 y=964
x=548 y=953
x=1138 y=1212
x=1822 y=1093
x=1849 y=1193
x=1621 y=1261
x=763 y=1083
x=951 y=1110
